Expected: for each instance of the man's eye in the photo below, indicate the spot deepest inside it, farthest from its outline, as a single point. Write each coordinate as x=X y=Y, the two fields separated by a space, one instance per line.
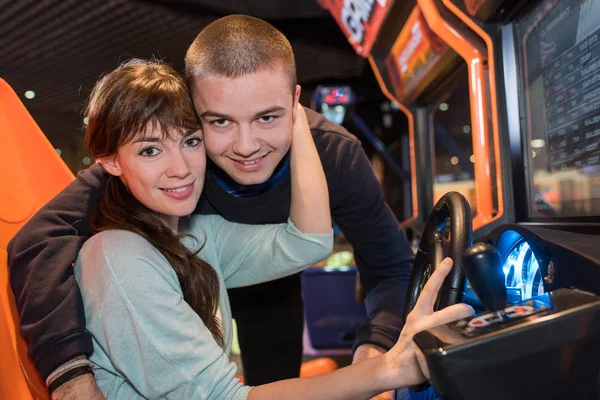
x=149 y=152
x=192 y=142
x=220 y=123
x=267 y=119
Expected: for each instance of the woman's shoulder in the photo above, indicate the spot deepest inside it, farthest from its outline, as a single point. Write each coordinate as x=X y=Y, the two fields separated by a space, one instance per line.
x=120 y=250
x=203 y=226
x=116 y=241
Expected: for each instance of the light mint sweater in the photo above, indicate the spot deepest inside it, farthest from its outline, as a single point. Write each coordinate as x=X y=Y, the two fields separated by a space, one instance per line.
x=148 y=342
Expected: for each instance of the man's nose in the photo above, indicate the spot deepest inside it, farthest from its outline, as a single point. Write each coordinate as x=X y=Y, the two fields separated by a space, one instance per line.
x=246 y=143
x=178 y=165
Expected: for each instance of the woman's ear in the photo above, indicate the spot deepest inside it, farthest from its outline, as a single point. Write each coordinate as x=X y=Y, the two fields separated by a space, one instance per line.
x=111 y=165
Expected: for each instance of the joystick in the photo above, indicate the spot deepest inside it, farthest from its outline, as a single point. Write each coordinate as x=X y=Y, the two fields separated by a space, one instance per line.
x=483 y=268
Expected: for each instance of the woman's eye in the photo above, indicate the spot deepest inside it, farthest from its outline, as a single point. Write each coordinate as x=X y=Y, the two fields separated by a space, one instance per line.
x=220 y=123
x=149 y=152
x=192 y=142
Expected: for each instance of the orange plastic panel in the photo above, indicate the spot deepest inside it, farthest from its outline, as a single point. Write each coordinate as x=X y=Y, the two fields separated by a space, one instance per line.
x=493 y=98
x=318 y=366
x=475 y=56
x=31 y=170
x=31 y=174
x=411 y=141
x=18 y=377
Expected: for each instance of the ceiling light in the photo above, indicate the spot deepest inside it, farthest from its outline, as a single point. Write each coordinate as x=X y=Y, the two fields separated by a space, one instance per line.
x=454 y=160
x=30 y=94
x=444 y=107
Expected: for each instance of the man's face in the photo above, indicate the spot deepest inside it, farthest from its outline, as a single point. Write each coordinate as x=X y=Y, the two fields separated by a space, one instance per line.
x=247 y=122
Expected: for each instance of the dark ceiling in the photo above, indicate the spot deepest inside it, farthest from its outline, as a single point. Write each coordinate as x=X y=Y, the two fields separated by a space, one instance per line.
x=58 y=48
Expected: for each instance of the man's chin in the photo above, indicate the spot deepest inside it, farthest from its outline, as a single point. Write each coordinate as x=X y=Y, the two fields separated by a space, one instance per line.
x=249 y=178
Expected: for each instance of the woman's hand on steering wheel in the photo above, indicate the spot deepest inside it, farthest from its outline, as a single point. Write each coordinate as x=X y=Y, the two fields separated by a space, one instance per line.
x=405 y=359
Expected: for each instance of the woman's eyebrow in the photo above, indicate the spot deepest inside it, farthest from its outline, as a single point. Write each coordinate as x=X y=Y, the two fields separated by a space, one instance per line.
x=147 y=139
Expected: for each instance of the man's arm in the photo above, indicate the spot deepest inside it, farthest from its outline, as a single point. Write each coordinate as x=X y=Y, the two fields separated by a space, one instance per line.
x=383 y=255
x=40 y=257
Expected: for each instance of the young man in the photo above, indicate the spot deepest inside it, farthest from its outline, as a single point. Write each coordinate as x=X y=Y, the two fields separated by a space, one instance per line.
x=242 y=79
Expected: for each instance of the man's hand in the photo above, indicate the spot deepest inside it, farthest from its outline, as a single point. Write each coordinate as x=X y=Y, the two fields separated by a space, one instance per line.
x=81 y=387
x=364 y=352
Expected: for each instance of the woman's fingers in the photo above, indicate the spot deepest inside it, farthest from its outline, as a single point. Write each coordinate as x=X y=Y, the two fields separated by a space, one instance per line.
x=447 y=315
x=429 y=294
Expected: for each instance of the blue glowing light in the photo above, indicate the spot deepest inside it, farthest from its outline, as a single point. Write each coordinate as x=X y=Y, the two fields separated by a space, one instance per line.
x=523 y=275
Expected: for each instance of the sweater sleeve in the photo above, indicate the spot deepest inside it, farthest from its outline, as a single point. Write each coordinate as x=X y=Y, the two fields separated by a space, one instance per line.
x=383 y=255
x=41 y=256
x=251 y=254
x=139 y=319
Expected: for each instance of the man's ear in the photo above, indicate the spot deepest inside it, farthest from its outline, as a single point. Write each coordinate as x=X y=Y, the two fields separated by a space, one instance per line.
x=111 y=165
x=296 y=100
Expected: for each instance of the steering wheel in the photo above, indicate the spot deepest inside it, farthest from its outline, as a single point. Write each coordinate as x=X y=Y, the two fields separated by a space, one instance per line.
x=433 y=246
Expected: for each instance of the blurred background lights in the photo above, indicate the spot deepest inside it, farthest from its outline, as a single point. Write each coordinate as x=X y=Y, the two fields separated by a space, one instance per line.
x=538 y=143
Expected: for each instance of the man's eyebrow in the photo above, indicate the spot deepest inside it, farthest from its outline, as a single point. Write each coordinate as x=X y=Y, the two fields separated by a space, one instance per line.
x=214 y=114
x=270 y=110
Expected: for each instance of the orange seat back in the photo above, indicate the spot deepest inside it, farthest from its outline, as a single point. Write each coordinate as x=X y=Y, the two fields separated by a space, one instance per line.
x=31 y=173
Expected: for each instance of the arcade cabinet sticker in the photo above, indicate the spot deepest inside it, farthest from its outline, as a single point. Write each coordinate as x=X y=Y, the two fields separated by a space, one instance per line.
x=413 y=54
x=359 y=19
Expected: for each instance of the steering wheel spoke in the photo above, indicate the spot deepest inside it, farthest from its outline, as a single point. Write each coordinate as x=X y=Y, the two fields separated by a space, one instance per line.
x=434 y=247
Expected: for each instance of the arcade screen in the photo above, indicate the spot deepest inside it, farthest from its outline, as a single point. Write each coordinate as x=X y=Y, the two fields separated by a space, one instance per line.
x=559 y=53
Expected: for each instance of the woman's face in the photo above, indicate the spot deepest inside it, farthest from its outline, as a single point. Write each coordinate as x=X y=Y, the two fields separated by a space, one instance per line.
x=164 y=174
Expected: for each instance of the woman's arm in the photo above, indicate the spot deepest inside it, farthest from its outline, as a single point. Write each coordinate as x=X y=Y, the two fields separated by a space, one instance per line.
x=397 y=368
x=309 y=208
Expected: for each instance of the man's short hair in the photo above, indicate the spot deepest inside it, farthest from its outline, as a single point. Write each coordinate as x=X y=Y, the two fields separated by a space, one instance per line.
x=238 y=45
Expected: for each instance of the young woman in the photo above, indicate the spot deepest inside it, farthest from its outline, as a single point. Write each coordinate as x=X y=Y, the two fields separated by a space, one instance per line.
x=154 y=279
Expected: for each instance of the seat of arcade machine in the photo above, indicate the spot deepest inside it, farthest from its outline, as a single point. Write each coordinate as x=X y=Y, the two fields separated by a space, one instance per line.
x=32 y=173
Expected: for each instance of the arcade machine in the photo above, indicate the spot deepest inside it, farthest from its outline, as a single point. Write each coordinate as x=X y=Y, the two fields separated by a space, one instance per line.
x=533 y=274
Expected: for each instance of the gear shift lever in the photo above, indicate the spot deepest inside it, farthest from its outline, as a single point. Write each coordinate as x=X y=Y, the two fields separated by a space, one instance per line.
x=483 y=268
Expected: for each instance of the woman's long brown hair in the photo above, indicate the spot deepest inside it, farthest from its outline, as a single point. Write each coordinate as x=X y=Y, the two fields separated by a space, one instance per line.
x=122 y=105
